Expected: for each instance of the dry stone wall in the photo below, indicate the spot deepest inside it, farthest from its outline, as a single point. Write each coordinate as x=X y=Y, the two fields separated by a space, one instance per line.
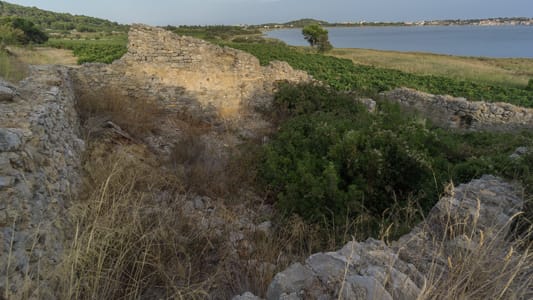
x=460 y=113
x=40 y=153
x=189 y=74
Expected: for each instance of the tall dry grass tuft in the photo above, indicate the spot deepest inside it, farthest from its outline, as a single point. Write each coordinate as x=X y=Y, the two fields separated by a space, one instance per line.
x=473 y=262
x=11 y=68
x=132 y=240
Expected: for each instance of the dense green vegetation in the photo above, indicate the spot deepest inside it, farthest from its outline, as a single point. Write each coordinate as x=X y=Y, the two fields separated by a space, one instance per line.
x=332 y=160
x=214 y=32
x=104 y=50
x=15 y=30
x=59 y=21
x=342 y=74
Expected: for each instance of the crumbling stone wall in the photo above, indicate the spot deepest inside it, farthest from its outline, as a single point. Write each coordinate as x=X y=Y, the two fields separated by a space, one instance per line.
x=460 y=113
x=40 y=153
x=188 y=73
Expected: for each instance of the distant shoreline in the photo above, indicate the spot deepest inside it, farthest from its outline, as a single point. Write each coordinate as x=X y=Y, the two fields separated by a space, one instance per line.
x=474 y=22
x=398 y=25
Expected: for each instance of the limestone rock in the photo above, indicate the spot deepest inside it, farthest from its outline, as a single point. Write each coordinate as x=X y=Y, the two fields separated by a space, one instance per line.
x=519 y=152
x=292 y=281
x=483 y=206
x=370 y=104
x=7 y=91
x=246 y=296
x=10 y=139
x=459 y=113
x=374 y=270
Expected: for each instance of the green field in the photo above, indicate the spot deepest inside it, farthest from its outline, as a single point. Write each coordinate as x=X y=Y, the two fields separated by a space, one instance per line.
x=507 y=72
x=343 y=74
x=96 y=50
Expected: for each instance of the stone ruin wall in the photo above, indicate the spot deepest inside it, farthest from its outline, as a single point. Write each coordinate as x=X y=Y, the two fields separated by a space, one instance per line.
x=40 y=156
x=187 y=73
x=459 y=113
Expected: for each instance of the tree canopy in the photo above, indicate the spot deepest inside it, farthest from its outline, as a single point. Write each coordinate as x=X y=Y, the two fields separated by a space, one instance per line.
x=317 y=37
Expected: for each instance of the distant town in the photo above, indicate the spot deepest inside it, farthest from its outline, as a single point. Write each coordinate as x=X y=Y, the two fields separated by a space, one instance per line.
x=470 y=22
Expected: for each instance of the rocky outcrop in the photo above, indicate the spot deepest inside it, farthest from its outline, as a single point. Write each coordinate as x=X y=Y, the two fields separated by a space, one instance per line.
x=460 y=113
x=369 y=270
x=40 y=153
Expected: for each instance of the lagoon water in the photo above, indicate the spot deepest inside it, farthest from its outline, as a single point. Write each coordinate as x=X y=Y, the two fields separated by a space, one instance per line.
x=489 y=41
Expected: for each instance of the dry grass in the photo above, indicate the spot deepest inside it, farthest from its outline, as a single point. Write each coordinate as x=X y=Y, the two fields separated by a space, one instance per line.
x=513 y=72
x=481 y=263
x=132 y=242
x=137 y=116
x=132 y=239
x=11 y=68
x=43 y=56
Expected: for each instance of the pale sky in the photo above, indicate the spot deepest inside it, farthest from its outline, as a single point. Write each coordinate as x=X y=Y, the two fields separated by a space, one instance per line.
x=168 y=12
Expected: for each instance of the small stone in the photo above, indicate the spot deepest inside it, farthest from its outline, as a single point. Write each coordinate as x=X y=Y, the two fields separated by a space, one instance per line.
x=10 y=139
x=364 y=288
x=292 y=280
x=198 y=203
x=6 y=93
x=264 y=227
x=246 y=296
x=6 y=181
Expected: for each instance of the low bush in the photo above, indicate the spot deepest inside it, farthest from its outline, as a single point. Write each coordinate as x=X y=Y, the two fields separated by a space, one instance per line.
x=332 y=160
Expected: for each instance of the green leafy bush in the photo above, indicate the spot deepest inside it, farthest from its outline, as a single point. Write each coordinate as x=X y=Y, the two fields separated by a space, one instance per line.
x=15 y=30
x=530 y=85
x=332 y=160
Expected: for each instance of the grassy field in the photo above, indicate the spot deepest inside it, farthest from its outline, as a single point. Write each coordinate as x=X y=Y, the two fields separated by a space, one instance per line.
x=14 y=60
x=510 y=72
x=43 y=56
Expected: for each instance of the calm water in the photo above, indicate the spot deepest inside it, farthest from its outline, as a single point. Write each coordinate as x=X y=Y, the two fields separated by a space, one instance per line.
x=498 y=41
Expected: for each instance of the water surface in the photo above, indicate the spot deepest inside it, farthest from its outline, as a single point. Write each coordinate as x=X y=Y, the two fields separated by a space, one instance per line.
x=490 y=41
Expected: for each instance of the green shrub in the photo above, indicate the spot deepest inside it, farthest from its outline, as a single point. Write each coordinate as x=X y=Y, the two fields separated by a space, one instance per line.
x=332 y=161
x=14 y=30
x=333 y=158
x=530 y=85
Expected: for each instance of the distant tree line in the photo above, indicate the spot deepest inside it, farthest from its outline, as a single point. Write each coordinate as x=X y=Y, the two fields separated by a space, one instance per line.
x=59 y=21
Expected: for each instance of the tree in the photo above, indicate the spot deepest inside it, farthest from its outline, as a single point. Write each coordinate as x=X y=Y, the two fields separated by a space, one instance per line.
x=317 y=37
x=14 y=30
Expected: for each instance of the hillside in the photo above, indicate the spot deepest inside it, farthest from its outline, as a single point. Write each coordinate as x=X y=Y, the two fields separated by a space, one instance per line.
x=60 y=21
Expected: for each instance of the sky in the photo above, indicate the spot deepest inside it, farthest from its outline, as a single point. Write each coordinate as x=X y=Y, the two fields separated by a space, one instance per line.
x=203 y=12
